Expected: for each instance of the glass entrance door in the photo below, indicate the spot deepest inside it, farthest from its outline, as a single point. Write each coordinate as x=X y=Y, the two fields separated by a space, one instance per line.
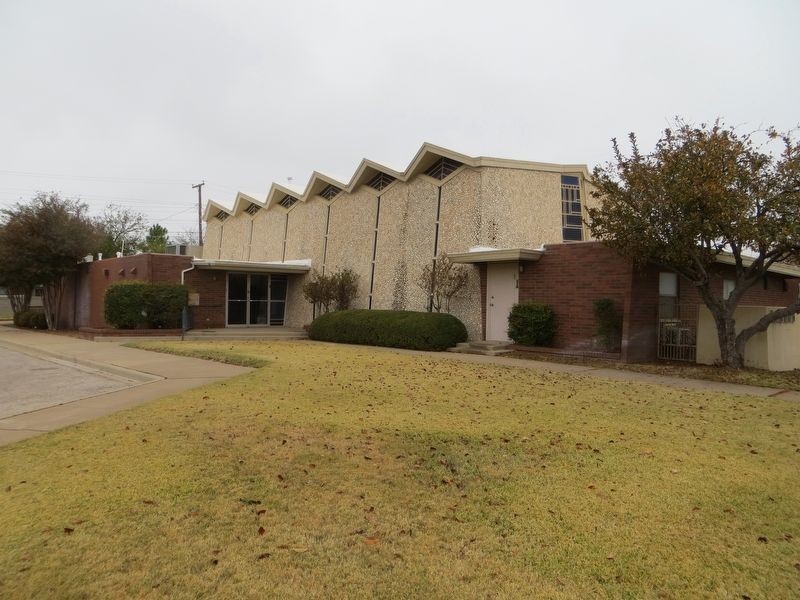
x=256 y=299
x=237 y=299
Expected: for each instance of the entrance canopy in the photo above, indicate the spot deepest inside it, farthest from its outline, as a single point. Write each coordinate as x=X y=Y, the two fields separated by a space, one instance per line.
x=495 y=255
x=247 y=266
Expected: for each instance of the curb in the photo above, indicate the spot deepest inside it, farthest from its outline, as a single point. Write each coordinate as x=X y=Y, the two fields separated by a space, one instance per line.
x=129 y=374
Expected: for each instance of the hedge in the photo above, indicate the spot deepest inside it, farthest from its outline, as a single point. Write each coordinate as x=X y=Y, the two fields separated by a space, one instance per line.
x=393 y=328
x=30 y=319
x=138 y=305
x=532 y=324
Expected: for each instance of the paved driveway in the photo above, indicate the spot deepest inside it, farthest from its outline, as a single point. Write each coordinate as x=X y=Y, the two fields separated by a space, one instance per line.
x=28 y=383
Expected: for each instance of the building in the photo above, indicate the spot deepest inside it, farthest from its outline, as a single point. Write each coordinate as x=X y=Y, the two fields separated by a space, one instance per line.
x=518 y=227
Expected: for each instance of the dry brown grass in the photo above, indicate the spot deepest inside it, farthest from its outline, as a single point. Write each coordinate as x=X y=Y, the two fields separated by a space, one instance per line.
x=338 y=471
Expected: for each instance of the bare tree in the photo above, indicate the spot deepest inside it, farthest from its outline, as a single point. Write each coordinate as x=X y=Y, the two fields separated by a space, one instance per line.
x=123 y=229
x=442 y=280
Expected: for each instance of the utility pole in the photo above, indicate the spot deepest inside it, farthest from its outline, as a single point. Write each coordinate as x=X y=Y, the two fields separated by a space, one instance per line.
x=199 y=187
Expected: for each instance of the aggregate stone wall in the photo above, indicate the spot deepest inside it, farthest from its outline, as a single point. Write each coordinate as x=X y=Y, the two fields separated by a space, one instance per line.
x=267 y=240
x=390 y=289
x=486 y=206
x=235 y=239
x=351 y=235
x=521 y=209
x=212 y=239
x=460 y=228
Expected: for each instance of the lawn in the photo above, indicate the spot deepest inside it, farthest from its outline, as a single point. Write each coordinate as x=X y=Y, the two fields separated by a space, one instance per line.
x=339 y=471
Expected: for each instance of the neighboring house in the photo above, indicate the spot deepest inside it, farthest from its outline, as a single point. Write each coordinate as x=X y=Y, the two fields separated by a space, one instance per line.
x=5 y=303
x=519 y=227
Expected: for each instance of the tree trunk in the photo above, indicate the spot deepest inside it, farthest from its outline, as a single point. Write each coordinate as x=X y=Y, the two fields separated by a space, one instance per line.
x=51 y=301
x=20 y=298
x=731 y=352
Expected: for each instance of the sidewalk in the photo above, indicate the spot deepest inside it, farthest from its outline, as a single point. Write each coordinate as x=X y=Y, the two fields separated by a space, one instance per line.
x=151 y=376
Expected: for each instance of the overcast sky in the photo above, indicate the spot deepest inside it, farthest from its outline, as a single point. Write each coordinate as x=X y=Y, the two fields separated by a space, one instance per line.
x=132 y=102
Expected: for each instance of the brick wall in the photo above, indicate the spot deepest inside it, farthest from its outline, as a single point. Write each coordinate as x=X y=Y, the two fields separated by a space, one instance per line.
x=772 y=293
x=210 y=285
x=570 y=277
x=85 y=302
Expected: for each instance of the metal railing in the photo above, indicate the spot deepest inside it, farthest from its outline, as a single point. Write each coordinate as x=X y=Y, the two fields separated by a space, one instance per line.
x=677 y=333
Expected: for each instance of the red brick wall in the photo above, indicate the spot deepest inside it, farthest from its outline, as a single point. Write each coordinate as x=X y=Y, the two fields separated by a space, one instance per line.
x=570 y=277
x=211 y=288
x=85 y=305
x=773 y=295
x=102 y=273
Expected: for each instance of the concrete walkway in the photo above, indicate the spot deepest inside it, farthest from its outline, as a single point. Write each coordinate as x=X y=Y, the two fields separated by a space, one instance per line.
x=150 y=376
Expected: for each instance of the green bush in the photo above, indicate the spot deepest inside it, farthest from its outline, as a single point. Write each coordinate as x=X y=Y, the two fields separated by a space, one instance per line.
x=532 y=324
x=393 y=328
x=31 y=319
x=609 y=324
x=137 y=305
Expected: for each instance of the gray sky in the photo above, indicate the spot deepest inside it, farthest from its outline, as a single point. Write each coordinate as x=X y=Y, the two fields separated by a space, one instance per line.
x=131 y=102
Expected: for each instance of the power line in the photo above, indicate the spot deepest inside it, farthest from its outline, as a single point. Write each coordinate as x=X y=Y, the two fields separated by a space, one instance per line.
x=98 y=178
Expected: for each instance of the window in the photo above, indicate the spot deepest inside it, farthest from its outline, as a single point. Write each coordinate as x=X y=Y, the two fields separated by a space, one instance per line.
x=288 y=201
x=222 y=215
x=252 y=209
x=330 y=192
x=667 y=295
x=442 y=168
x=727 y=288
x=380 y=181
x=571 y=214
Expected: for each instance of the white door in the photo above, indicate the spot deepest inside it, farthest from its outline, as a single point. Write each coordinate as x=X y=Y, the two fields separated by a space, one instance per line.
x=502 y=292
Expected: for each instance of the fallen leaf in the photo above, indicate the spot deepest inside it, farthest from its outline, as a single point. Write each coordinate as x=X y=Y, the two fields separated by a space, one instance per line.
x=263 y=556
x=762 y=539
x=261 y=531
x=371 y=541
x=68 y=530
x=246 y=501
x=149 y=501
x=261 y=512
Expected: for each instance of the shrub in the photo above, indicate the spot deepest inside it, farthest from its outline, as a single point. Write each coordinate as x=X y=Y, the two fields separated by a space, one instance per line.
x=532 y=324
x=609 y=324
x=393 y=328
x=30 y=319
x=337 y=290
x=137 y=305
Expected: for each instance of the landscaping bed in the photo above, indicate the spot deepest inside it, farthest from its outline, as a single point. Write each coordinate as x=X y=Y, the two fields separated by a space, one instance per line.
x=784 y=380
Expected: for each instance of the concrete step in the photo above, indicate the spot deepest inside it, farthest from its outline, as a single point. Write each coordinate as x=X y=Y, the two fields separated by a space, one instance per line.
x=484 y=347
x=480 y=351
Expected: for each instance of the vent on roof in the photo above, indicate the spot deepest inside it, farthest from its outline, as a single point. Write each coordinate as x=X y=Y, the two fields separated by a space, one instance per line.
x=330 y=192
x=252 y=209
x=222 y=215
x=288 y=201
x=442 y=168
x=380 y=181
